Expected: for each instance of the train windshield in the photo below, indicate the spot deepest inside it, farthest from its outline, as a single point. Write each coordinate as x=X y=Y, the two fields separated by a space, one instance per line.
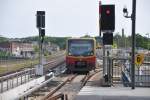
x=81 y=47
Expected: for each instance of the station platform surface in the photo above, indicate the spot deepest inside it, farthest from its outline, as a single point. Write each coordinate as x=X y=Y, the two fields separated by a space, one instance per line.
x=113 y=93
x=14 y=93
x=93 y=90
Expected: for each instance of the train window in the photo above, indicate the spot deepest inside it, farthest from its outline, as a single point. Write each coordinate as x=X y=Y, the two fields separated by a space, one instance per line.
x=81 y=48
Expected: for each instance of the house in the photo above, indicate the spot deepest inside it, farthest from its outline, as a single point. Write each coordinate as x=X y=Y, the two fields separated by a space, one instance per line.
x=17 y=48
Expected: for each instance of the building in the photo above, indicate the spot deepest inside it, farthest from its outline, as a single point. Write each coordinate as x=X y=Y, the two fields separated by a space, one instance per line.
x=17 y=48
x=51 y=47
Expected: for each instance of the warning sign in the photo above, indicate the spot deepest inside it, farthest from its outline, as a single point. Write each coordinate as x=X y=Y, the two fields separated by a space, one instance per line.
x=139 y=59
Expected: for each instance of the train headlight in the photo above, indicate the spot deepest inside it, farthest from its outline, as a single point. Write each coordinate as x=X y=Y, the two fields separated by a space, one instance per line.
x=69 y=54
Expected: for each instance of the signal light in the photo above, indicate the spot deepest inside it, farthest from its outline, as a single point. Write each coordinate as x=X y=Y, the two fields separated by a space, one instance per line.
x=42 y=32
x=108 y=39
x=108 y=12
x=108 y=17
x=40 y=19
x=42 y=35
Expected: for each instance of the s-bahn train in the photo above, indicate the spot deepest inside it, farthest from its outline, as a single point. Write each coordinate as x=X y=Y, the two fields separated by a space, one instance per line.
x=81 y=55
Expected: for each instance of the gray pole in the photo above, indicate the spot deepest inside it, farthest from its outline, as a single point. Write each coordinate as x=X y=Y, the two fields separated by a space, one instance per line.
x=133 y=18
x=123 y=38
x=148 y=41
x=40 y=48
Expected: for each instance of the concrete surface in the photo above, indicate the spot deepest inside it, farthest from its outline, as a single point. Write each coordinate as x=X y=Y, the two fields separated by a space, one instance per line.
x=16 y=92
x=113 y=93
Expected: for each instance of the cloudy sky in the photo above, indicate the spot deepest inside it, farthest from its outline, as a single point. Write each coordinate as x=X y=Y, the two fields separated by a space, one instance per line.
x=67 y=17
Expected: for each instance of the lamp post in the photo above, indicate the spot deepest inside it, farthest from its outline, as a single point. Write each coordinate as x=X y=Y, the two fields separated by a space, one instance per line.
x=133 y=18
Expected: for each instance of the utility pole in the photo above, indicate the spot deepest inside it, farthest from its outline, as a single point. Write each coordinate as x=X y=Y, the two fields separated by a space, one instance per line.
x=133 y=18
x=123 y=38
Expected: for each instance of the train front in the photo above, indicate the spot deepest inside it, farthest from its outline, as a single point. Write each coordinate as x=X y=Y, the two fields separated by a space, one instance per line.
x=80 y=55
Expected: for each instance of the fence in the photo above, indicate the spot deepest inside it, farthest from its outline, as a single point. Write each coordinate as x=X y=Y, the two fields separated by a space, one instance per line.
x=142 y=73
x=10 y=81
x=120 y=69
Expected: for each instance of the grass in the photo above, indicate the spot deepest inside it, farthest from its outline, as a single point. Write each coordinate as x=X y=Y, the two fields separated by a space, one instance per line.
x=9 y=66
x=17 y=66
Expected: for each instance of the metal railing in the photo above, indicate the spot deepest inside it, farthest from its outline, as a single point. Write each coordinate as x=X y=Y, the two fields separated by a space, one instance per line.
x=142 y=73
x=120 y=72
x=16 y=79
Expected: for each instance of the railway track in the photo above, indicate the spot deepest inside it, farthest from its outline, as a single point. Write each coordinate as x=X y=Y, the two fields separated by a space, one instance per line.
x=18 y=78
x=64 y=86
x=60 y=86
x=54 y=56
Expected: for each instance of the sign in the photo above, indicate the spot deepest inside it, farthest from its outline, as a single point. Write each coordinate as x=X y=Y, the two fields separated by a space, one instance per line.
x=139 y=59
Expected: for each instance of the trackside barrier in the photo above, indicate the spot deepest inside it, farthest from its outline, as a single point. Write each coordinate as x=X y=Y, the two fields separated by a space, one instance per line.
x=25 y=94
x=120 y=72
x=142 y=73
x=13 y=80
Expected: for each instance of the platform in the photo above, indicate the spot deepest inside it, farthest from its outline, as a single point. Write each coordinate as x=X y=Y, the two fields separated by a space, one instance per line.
x=93 y=90
x=113 y=93
x=15 y=93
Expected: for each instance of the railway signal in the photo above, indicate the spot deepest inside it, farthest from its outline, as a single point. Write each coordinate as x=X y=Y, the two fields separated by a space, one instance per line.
x=40 y=24
x=107 y=25
x=100 y=18
x=42 y=35
x=40 y=19
x=108 y=39
x=107 y=17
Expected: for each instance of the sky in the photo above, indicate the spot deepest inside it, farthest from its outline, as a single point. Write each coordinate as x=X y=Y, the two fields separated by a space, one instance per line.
x=73 y=18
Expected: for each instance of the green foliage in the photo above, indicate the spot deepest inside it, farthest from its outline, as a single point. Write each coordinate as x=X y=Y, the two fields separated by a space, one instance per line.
x=36 y=48
x=4 y=54
x=123 y=41
x=119 y=41
x=60 y=41
x=86 y=36
x=3 y=39
x=142 y=42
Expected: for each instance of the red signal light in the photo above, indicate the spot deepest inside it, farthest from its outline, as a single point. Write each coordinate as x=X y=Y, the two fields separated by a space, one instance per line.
x=107 y=11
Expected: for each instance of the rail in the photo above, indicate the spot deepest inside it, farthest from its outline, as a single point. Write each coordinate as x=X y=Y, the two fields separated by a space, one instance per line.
x=58 y=87
x=25 y=76
x=59 y=96
x=25 y=94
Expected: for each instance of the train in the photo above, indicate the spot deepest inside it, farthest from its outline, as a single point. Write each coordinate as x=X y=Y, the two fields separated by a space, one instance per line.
x=80 y=54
